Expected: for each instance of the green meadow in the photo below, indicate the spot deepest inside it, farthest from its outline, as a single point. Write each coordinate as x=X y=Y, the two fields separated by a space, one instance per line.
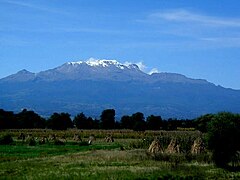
x=125 y=158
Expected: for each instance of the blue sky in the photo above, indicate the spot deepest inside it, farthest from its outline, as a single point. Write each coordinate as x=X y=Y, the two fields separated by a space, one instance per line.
x=200 y=39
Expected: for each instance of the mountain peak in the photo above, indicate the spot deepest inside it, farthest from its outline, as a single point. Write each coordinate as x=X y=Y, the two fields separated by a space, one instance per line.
x=24 y=71
x=20 y=76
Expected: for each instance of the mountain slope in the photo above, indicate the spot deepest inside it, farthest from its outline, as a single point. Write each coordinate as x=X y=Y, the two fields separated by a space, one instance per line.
x=95 y=85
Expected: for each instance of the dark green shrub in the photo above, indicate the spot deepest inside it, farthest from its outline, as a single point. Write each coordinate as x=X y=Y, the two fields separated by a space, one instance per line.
x=31 y=141
x=83 y=143
x=223 y=137
x=201 y=158
x=6 y=139
x=58 y=142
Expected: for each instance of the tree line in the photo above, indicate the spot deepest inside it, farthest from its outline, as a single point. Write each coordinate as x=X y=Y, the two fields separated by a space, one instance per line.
x=28 y=119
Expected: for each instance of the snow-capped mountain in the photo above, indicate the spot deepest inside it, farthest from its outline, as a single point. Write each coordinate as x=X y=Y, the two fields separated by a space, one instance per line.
x=94 y=85
x=94 y=69
x=84 y=70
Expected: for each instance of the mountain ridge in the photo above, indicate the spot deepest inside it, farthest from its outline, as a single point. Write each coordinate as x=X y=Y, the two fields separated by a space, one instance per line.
x=105 y=69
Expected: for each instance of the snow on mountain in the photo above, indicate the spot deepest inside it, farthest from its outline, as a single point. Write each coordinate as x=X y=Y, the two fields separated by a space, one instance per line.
x=105 y=63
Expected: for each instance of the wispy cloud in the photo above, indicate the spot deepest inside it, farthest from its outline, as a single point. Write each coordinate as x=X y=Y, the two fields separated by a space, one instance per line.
x=32 y=6
x=223 y=41
x=140 y=65
x=13 y=41
x=143 y=67
x=91 y=30
x=195 y=30
x=182 y=15
x=154 y=70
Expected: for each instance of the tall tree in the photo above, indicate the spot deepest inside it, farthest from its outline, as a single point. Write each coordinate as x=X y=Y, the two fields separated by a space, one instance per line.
x=139 y=122
x=154 y=122
x=29 y=119
x=108 y=119
x=126 y=122
x=7 y=120
x=96 y=123
x=202 y=122
x=223 y=137
x=82 y=122
x=60 y=121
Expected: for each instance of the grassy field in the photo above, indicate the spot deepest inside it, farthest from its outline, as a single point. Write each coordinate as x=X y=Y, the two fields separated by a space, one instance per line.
x=122 y=159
